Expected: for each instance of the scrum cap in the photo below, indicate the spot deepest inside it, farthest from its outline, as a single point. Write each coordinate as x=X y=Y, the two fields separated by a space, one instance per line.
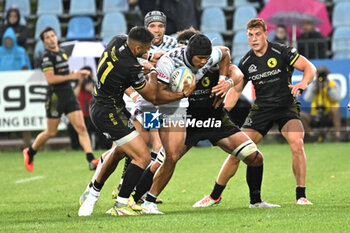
x=154 y=16
x=198 y=44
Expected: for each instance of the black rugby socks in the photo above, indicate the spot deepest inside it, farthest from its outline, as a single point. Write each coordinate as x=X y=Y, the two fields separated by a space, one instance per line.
x=254 y=179
x=132 y=176
x=217 y=191
x=89 y=157
x=300 y=192
x=144 y=184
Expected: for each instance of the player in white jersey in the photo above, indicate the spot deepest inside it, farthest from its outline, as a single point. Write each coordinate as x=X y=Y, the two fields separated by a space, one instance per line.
x=155 y=22
x=200 y=57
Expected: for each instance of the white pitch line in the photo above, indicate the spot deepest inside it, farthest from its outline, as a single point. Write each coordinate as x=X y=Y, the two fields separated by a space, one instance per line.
x=29 y=179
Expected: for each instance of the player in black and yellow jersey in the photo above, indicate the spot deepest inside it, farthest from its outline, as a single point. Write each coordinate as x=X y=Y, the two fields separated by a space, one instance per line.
x=270 y=67
x=119 y=69
x=60 y=99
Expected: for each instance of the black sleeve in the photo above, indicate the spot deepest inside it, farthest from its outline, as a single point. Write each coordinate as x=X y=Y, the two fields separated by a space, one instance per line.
x=290 y=55
x=137 y=77
x=46 y=63
x=241 y=67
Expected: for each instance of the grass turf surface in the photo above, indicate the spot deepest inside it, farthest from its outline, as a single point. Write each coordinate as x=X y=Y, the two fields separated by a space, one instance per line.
x=49 y=202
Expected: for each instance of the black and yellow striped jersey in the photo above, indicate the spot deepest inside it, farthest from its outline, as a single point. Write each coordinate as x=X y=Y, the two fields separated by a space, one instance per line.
x=271 y=74
x=118 y=69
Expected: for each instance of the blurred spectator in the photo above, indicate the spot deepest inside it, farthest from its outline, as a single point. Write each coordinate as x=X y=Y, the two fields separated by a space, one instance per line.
x=144 y=5
x=281 y=35
x=83 y=91
x=181 y=14
x=311 y=43
x=13 y=18
x=324 y=95
x=12 y=56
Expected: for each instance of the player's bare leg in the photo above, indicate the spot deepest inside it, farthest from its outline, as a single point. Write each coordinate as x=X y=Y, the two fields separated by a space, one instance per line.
x=155 y=141
x=173 y=139
x=146 y=137
x=146 y=180
x=293 y=132
x=50 y=131
x=136 y=149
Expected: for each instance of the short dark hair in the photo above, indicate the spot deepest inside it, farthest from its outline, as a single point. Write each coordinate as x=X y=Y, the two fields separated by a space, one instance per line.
x=140 y=34
x=47 y=29
x=184 y=36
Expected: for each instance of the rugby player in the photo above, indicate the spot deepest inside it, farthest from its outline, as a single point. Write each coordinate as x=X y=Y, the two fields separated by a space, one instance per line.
x=199 y=57
x=118 y=70
x=60 y=99
x=155 y=22
x=270 y=67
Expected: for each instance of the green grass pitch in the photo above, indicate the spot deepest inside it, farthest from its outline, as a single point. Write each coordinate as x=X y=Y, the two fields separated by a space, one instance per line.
x=49 y=201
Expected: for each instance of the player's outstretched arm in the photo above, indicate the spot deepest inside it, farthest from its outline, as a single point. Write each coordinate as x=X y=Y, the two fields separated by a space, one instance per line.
x=309 y=71
x=164 y=95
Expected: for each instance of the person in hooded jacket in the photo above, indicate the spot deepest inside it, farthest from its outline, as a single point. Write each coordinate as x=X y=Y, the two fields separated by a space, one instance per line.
x=13 y=18
x=12 y=56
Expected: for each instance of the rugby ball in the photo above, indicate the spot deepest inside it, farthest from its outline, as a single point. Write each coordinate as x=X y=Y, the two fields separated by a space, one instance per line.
x=178 y=78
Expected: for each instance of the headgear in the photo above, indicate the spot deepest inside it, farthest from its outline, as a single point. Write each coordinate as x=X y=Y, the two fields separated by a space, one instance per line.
x=198 y=44
x=154 y=16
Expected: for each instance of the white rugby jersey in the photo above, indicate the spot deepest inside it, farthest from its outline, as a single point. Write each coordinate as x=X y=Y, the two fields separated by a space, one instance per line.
x=167 y=44
x=176 y=58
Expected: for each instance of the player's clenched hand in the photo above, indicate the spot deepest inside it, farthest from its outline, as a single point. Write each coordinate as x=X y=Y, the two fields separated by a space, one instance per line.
x=297 y=89
x=220 y=89
x=189 y=87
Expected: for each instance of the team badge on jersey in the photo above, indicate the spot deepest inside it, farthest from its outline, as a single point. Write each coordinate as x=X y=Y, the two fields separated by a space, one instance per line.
x=272 y=62
x=151 y=120
x=252 y=68
x=205 y=82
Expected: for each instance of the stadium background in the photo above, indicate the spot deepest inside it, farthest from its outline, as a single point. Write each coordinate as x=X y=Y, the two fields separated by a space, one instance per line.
x=223 y=21
x=47 y=199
